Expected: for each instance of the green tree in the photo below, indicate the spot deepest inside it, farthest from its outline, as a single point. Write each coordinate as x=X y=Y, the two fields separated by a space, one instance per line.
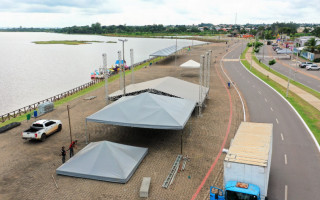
x=311 y=45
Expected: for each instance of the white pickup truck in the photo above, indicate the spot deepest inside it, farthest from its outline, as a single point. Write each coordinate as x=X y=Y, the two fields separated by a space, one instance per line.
x=40 y=129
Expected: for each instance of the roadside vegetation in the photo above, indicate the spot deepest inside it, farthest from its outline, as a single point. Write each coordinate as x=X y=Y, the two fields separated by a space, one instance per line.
x=309 y=114
x=60 y=102
x=67 y=42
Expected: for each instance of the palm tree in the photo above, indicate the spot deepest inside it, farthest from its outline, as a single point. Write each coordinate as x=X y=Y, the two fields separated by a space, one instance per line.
x=311 y=45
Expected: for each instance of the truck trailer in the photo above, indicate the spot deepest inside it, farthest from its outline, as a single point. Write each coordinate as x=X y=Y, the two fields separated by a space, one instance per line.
x=247 y=164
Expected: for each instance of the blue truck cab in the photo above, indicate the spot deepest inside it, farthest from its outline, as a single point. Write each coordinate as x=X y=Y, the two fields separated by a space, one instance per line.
x=235 y=191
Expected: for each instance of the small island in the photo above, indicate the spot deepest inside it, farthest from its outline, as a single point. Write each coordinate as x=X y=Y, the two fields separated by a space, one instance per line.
x=111 y=42
x=66 y=42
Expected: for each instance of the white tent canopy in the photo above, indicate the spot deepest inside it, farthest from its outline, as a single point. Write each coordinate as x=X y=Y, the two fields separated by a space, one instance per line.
x=190 y=64
x=167 y=51
x=146 y=110
x=104 y=161
x=168 y=86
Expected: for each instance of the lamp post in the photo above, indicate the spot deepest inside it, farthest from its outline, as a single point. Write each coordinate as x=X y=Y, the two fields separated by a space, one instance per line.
x=123 y=68
x=175 y=56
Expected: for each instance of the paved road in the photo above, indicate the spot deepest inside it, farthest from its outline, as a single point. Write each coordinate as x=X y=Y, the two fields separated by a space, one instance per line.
x=290 y=68
x=295 y=168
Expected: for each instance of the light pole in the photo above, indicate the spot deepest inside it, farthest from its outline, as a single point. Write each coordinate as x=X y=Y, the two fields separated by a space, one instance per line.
x=123 y=69
x=175 y=56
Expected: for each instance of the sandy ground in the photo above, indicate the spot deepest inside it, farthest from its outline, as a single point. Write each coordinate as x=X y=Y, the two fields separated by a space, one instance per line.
x=27 y=167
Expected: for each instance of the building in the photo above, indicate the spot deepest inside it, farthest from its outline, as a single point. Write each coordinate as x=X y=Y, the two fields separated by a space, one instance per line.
x=302 y=40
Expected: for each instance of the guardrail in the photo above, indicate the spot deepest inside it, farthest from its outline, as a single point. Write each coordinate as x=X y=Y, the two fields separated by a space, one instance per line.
x=34 y=106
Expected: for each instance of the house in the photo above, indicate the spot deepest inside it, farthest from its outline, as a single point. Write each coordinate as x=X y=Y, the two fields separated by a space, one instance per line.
x=302 y=40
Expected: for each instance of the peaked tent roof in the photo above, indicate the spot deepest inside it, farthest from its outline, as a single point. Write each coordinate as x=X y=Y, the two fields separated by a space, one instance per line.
x=190 y=64
x=167 y=86
x=104 y=161
x=146 y=110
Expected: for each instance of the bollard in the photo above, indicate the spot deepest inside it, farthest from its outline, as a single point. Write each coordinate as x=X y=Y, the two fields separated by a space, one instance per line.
x=35 y=114
x=28 y=116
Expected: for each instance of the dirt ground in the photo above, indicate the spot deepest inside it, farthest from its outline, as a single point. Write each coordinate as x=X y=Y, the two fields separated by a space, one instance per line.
x=27 y=168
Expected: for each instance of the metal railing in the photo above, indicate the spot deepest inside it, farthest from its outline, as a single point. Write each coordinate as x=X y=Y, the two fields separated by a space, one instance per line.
x=55 y=98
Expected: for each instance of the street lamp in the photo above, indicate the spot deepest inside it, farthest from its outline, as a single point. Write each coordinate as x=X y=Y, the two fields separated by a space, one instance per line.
x=122 y=68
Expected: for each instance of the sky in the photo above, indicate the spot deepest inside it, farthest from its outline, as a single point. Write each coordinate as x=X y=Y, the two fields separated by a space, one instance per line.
x=64 y=13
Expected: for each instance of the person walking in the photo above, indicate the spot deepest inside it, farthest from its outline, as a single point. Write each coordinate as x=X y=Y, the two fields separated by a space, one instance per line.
x=63 y=154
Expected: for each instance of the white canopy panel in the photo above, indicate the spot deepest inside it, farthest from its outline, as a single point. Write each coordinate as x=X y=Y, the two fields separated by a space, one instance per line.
x=146 y=110
x=167 y=51
x=190 y=64
x=104 y=161
x=167 y=86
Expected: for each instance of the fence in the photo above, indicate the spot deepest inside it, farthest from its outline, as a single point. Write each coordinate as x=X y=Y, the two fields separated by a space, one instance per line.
x=34 y=106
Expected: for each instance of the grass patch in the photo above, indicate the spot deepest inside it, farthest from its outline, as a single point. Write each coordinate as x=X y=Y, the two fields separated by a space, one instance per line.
x=66 y=42
x=82 y=92
x=308 y=113
x=299 y=85
x=243 y=55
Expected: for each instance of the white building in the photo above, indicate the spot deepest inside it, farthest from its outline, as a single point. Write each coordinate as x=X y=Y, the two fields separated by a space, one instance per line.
x=302 y=40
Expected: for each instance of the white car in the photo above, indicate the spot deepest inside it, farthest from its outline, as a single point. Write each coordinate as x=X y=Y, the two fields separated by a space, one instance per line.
x=41 y=129
x=312 y=67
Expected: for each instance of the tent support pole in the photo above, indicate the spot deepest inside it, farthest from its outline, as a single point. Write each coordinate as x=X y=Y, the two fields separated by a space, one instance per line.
x=181 y=140
x=86 y=133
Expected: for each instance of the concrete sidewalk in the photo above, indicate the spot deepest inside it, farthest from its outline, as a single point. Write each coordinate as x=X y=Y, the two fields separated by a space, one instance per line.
x=314 y=101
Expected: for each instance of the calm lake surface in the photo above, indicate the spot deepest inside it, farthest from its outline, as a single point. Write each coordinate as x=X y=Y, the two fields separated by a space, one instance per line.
x=32 y=72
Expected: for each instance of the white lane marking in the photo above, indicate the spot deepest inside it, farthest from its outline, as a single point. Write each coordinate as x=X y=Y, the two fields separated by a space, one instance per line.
x=277 y=120
x=282 y=138
x=265 y=100
x=285 y=159
x=259 y=92
x=285 y=192
x=271 y=109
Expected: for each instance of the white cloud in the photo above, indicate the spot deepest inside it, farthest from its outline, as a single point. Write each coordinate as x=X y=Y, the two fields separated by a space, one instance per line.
x=61 y=13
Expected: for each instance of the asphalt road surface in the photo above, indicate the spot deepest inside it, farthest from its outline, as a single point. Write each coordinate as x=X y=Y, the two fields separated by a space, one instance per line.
x=295 y=165
x=291 y=68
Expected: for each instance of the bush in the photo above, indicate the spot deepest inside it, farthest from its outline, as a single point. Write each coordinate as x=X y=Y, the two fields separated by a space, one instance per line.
x=249 y=44
x=272 y=62
x=258 y=44
x=256 y=50
x=316 y=60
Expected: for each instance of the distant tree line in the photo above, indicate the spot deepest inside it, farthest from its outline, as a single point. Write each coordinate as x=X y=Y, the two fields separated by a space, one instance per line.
x=261 y=30
x=123 y=29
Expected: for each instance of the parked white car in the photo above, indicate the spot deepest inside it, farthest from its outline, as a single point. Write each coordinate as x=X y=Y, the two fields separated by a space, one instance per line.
x=41 y=129
x=312 y=67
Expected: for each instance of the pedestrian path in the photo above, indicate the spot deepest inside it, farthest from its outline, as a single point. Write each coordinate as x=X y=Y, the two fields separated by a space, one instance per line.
x=312 y=100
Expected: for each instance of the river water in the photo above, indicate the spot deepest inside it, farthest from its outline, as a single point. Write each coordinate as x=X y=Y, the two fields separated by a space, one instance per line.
x=32 y=72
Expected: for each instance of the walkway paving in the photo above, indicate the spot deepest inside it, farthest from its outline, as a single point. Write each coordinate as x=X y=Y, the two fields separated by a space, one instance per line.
x=312 y=100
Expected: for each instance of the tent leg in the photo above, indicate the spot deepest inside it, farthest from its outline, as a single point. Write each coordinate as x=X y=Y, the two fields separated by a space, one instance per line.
x=181 y=141
x=86 y=133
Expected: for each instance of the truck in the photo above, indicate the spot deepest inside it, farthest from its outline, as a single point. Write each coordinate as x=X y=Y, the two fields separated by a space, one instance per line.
x=247 y=164
x=41 y=129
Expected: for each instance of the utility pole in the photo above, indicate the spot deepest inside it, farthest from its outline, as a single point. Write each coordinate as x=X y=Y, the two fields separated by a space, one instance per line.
x=106 y=75
x=69 y=123
x=120 y=78
x=202 y=62
x=175 y=55
x=123 y=68
x=132 y=67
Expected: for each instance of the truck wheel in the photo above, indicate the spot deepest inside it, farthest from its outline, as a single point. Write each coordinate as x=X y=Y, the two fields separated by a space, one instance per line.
x=43 y=137
x=59 y=128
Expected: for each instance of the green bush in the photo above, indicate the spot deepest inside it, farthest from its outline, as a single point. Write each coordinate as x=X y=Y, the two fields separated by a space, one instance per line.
x=316 y=60
x=249 y=44
x=256 y=50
